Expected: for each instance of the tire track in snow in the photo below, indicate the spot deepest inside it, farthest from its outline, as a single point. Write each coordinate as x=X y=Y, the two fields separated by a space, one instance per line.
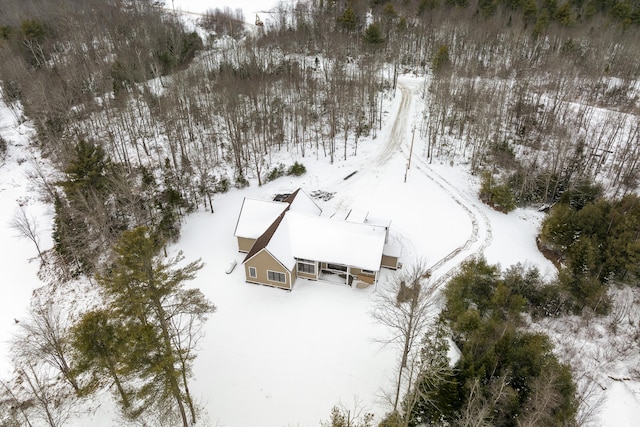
x=394 y=143
x=480 y=224
x=481 y=233
x=477 y=217
x=398 y=130
x=451 y=262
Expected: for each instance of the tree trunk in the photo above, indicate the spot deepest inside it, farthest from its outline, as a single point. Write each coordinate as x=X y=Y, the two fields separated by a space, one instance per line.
x=169 y=367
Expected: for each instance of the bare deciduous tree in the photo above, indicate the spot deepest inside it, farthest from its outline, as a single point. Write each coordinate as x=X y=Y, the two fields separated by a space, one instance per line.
x=431 y=372
x=480 y=410
x=26 y=226
x=36 y=382
x=11 y=405
x=342 y=416
x=406 y=306
x=43 y=338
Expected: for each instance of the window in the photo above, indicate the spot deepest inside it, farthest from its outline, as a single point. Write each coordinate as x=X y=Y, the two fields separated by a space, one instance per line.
x=253 y=273
x=274 y=276
x=338 y=267
x=368 y=272
x=306 y=266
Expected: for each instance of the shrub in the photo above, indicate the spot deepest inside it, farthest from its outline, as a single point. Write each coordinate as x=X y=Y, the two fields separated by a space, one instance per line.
x=296 y=169
x=241 y=181
x=496 y=195
x=276 y=173
x=3 y=147
x=500 y=362
x=222 y=185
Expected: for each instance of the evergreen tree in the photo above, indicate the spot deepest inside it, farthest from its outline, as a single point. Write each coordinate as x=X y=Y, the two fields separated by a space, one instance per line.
x=70 y=238
x=99 y=342
x=542 y=23
x=497 y=195
x=434 y=393
x=86 y=171
x=34 y=34
x=441 y=58
x=530 y=11
x=373 y=34
x=563 y=15
x=348 y=21
x=596 y=243
x=504 y=374
x=148 y=298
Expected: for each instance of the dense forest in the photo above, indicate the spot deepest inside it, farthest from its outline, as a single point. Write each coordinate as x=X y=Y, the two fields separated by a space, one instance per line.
x=146 y=119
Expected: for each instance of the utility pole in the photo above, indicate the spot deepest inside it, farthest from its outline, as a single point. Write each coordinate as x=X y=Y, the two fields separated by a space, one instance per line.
x=413 y=135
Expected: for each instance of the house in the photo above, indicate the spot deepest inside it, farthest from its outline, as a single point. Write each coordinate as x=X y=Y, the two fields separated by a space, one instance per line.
x=296 y=241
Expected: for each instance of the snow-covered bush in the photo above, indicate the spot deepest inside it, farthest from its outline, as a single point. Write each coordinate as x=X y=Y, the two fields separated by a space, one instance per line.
x=241 y=181
x=3 y=147
x=296 y=169
x=276 y=173
x=222 y=185
x=496 y=195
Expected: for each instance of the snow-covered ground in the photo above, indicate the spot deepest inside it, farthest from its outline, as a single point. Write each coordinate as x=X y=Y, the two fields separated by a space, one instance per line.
x=291 y=356
x=18 y=255
x=277 y=358
x=266 y=10
x=201 y=6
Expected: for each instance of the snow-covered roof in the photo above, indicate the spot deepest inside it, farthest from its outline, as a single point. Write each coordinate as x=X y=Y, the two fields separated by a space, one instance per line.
x=356 y=216
x=328 y=240
x=380 y=222
x=256 y=216
x=341 y=215
x=303 y=203
x=392 y=251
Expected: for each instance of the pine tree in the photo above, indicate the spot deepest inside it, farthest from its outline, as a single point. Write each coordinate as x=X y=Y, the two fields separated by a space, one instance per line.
x=148 y=298
x=69 y=238
x=441 y=59
x=373 y=34
x=530 y=11
x=87 y=170
x=434 y=392
x=99 y=342
x=348 y=20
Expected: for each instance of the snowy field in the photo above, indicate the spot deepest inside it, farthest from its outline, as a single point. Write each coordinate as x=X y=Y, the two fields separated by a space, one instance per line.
x=277 y=358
